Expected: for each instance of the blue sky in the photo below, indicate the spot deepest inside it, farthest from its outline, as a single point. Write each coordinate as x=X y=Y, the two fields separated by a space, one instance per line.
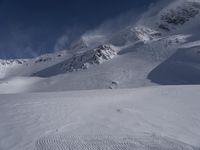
x=32 y=27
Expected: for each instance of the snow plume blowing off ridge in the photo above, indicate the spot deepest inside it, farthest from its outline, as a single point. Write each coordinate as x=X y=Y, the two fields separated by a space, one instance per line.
x=23 y=43
x=104 y=32
x=98 y=35
x=70 y=34
x=76 y=38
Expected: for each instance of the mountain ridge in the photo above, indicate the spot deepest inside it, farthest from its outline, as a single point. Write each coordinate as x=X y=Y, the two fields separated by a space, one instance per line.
x=128 y=58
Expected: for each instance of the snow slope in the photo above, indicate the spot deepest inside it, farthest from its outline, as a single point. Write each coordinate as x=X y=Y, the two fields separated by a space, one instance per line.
x=145 y=118
x=142 y=48
x=128 y=69
x=181 y=68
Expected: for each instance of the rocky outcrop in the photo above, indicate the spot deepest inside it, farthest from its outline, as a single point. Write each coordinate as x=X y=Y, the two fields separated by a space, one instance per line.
x=179 y=15
x=80 y=61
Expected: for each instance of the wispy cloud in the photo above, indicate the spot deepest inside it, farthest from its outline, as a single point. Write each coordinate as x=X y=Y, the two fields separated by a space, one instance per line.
x=71 y=34
x=101 y=33
x=23 y=41
x=61 y=43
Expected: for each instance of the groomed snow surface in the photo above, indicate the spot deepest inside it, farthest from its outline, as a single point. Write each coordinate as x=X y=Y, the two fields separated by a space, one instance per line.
x=154 y=118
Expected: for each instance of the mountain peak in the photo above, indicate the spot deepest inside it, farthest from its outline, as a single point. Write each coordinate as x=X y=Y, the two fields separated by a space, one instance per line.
x=178 y=14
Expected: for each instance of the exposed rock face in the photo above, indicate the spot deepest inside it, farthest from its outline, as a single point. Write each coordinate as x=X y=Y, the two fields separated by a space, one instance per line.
x=11 y=62
x=179 y=15
x=95 y=56
x=146 y=34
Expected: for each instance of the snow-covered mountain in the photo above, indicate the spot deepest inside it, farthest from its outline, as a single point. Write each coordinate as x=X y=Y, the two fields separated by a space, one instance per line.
x=80 y=61
x=178 y=14
x=160 y=46
x=172 y=15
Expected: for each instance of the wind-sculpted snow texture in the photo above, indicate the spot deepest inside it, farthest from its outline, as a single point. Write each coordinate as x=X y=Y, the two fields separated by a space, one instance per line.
x=106 y=142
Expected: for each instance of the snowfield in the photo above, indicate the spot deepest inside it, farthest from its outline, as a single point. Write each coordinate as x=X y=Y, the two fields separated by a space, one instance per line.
x=165 y=117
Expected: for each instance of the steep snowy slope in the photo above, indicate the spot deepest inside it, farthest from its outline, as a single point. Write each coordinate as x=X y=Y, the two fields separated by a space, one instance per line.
x=181 y=68
x=165 y=118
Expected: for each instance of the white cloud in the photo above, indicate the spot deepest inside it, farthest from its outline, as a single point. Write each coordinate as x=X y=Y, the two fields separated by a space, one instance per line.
x=61 y=43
